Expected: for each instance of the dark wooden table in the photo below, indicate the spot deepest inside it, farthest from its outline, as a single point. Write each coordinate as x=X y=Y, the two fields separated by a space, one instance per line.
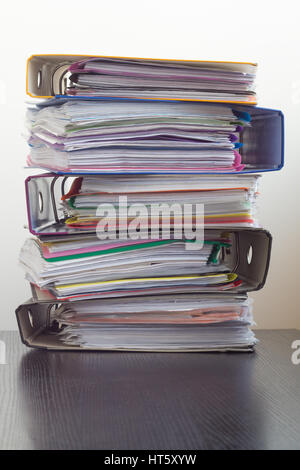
x=56 y=400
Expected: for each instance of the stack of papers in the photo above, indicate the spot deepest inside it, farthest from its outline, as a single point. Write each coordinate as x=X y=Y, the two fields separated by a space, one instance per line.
x=166 y=323
x=227 y=200
x=88 y=267
x=145 y=225
x=85 y=135
x=146 y=78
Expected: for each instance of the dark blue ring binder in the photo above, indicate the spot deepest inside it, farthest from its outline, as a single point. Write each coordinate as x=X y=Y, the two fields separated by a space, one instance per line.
x=263 y=141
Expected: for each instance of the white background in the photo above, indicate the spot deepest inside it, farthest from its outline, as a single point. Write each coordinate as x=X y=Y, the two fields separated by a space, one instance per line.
x=266 y=32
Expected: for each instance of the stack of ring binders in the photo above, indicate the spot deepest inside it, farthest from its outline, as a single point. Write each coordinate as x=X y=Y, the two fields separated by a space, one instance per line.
x=144 y=230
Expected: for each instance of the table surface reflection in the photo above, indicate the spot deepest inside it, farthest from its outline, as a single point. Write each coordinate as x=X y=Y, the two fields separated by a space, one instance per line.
x=112 y=400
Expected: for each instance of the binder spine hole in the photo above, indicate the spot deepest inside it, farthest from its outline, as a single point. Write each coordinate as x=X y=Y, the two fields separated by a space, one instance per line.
x=41 y=202
x=30 y=318
x=249 y=254
x=39 y=79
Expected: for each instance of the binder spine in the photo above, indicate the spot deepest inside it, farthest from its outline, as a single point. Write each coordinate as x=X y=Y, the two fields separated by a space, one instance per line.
x=262 y=143
x=37 y=332
x=45 y=73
